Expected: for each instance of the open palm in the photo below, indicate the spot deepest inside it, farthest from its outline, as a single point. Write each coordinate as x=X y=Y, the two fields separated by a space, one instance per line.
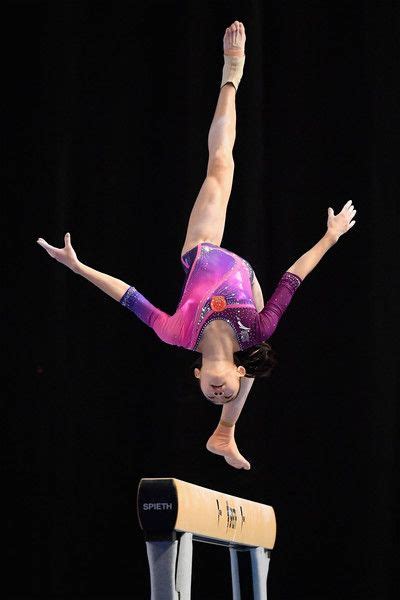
x=66 y=256
x=342 y=222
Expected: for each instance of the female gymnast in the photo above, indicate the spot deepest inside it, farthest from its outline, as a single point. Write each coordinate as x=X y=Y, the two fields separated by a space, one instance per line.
x=221 y=314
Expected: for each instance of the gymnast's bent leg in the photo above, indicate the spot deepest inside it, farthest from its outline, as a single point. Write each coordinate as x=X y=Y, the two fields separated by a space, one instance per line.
x=222 y=441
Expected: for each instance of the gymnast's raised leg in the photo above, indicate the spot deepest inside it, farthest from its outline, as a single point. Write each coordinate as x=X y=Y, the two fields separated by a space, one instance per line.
x=207 y=219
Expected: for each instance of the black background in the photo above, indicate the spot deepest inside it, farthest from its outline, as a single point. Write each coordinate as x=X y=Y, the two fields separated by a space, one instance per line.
x=107 y=107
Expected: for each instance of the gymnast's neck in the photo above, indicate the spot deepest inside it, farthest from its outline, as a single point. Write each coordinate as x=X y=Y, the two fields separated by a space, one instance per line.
x=218 y=342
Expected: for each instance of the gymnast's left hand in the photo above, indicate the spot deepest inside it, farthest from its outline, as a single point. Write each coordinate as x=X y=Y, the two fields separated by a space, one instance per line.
x=342 y=222
x=66 y=256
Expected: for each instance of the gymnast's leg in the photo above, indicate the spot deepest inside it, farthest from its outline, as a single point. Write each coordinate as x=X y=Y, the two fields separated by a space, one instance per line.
x=222 y=441
x=207 y=218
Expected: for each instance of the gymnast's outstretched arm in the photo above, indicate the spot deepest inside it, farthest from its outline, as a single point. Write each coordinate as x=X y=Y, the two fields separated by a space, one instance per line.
x=337 y=225
x=274 y=308
x=67 y=256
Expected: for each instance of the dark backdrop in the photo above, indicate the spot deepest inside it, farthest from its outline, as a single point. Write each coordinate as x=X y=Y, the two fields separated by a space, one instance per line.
x=107 y=109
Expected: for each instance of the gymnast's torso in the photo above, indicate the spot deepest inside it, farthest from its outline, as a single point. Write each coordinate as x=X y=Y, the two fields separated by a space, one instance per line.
x=217 y=286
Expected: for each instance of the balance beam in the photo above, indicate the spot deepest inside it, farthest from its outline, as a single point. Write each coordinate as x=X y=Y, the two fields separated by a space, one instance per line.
x=173 y=512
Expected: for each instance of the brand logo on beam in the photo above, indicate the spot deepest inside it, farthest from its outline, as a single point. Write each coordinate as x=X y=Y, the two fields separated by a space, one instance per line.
x=157 y=506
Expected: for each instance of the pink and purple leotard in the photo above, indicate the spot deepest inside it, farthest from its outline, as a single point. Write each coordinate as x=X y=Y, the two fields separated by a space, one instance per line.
x=218 y=285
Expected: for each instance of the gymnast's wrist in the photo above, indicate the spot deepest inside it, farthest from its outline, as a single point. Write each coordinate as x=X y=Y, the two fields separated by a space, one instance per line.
x=77 y=267
x=330 y=239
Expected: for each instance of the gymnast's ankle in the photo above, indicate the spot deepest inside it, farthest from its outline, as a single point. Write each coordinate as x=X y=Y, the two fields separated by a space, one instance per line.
x=234 y=54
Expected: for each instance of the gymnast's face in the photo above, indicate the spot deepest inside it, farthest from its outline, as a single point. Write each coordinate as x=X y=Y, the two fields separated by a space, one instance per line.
x=220 y=383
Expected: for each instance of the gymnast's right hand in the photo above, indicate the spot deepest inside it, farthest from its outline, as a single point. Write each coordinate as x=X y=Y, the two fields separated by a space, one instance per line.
x=66 y=256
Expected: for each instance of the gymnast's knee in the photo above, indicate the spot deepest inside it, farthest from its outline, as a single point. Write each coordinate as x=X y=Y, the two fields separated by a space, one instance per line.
x=220 y=163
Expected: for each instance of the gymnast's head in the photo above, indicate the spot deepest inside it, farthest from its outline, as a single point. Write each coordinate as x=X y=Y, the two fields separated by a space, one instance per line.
x=220 y=380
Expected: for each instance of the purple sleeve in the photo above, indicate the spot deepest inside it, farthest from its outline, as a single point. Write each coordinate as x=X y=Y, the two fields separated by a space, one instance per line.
x=144 y=310
x=275 y=307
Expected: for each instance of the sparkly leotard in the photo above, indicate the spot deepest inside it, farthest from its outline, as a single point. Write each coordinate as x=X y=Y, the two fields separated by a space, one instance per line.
x=217 y=286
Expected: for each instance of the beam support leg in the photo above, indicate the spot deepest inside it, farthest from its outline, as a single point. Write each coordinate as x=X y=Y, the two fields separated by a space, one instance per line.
x=184 y=567
x=170 y=564
x=259 y=567
x=235 y=574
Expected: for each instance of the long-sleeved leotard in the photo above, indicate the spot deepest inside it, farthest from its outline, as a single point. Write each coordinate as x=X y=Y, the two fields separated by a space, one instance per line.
x=217 y=286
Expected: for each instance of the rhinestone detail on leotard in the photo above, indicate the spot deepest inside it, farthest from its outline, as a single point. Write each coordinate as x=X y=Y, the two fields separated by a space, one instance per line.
x=215 y=276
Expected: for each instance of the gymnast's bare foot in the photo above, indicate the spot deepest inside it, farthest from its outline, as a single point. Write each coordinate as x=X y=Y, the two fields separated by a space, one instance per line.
x=234 y=39
x=222 y=442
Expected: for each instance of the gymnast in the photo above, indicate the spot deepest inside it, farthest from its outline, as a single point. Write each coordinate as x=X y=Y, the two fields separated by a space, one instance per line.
x=221 y=314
